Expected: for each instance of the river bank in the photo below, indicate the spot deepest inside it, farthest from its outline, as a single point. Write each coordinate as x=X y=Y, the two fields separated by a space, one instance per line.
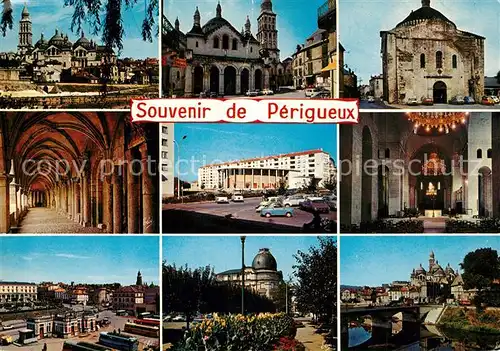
x=470 y=320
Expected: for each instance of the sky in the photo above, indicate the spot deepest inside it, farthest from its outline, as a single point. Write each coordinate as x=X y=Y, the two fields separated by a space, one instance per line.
x=224 y=252
x=362 y=20
x=211 y=143
x=49 y=15
x=373 y=261
x=296 y=19
x=80 y=259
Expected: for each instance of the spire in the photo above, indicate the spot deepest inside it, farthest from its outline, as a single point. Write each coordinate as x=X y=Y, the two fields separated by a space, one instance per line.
x=177 y=24
x=218 y=10
x=197 y=17
x=139 y=278
x=266 y=5
x=426 y=3
x=242 y=30
x=25 y=12
x=247 y=26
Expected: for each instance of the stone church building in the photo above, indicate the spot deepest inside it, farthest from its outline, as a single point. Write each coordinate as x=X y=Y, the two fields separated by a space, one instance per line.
x=426 y=55
x=227 y=61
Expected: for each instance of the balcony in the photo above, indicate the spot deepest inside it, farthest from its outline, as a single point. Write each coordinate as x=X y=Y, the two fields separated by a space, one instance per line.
x=327 y=17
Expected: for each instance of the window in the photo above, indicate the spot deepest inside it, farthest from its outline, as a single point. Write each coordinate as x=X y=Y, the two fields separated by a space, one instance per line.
x=178 y=75
x=454 y=61
x=479 y=153
x=251 y=49
x=489 y=153
x=439 y=59
x=216 y=43
x=196 y=44
x=387 y=153
x=164 y=142
x=225 y=42
x=164 y=154
x=235 y=44
x=164 y=130
x=422 y=60
x=164 y=168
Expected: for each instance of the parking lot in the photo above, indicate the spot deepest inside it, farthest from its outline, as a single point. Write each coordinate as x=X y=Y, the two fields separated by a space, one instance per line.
x=243 y=211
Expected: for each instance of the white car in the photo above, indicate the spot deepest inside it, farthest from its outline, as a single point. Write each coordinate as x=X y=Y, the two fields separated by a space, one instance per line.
x=178 y=319
x=496 y=99
x=371 y=99
x=252 y=93
x=293 y=200
x=237 y=198
x=221 y=200
x=267 y=92
x=266 y=203
x=8 y=327
x=310 y=92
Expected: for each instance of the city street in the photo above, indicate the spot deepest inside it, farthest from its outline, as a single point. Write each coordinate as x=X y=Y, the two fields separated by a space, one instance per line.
x=246 y=211
x=296 y=94
x=365 y=105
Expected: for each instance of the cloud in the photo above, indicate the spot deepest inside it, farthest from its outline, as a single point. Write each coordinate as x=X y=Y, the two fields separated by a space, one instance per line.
x=67 y=255
x=27 y=258
x=218 y=131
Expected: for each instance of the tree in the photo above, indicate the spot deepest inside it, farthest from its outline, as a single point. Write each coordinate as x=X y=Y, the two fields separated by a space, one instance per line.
x=202 y=186
x=312 y=185
x=282 y=187
x=279 y=296
x=481 y=268
x=104 y=17
x=330 y=183
x=316 y=272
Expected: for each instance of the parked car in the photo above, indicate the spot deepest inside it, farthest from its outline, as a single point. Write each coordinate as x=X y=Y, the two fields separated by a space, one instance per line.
x=487 y=100
x=294 y=200
x=323 y=94
x=251 y=93
x=203 y=95
x=495 y=98
x=7 y=327
x=221 y=200
x=315 y=204
x=412 y=101
x=237 y=198
x=266 y=203
x=457 y=100
x=309 y=92
x=427 y=101
x=267 y=92
x=276 y=209
x=259 y=92
x=179 y=318
x=371 y=99
x=469 y=100
x=331 y=200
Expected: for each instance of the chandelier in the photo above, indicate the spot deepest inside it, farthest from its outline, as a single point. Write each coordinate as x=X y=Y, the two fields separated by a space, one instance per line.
x=440 y=121
x=434 y=166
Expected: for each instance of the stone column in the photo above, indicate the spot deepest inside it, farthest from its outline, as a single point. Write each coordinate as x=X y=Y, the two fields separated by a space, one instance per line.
x=148 y=192
x=238 y=84
x=117 y=200
x=132 y=195
x=108 y=204
x=86 y=199
x=4 y=204
x=78 y=200
x=495 y=162
x=188 y=82
x=70 y=198
x=251 y=79
x=66 y=197
x=266 y=78
x=206 y=78
x=221 y=82
x=16 y=189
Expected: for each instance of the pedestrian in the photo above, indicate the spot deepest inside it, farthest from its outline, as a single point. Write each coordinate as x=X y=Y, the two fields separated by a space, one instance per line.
x=44 y=347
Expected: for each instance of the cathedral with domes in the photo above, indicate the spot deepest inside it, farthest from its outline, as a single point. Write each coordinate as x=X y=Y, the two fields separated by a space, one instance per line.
x=261 y=277
x=226 y=61
x=427 y=56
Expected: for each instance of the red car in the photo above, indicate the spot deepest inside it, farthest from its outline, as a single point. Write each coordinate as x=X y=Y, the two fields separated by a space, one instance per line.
x=427 y=101
x=315 y=204
x=486 y=100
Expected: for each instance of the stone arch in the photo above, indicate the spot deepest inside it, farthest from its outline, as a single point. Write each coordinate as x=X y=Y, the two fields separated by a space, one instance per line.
x=198 y=74
x=245 y=80
x=229 y=80
x=259 y=79
x=214 y=79
x=440 y=92
x=366 y=178
x=485 y=192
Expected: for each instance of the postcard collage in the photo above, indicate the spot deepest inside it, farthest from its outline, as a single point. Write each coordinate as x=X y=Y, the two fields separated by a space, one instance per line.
x=118 y=234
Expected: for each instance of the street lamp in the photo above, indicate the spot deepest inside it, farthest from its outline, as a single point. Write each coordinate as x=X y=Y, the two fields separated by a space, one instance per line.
x=179 y=167
x=243 y=274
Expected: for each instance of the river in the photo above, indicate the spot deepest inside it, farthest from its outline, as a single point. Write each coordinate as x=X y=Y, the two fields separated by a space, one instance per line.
x=429 y=338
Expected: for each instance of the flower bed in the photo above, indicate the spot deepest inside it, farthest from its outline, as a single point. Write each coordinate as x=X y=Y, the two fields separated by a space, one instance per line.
x=241 y=333
x=381 y=226
x=491 y=225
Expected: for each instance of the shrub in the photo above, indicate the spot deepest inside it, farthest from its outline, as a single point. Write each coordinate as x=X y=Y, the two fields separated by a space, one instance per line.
x=383 y=226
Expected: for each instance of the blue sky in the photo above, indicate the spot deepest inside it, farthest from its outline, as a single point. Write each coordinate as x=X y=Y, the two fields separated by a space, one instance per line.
x=82 y=259
x=372 y=260
x=362 y=20
x=224 y=252
x=296 y=19
x=49 y=15
x=209 y=143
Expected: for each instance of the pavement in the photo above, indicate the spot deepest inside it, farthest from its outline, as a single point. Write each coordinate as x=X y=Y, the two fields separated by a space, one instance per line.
x=56 y=344
x=308 y=336
x=46 y=220
x=245 y=211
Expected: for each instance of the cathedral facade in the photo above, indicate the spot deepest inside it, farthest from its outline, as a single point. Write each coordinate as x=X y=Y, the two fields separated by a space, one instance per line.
x=223 y=60
x=426 y=55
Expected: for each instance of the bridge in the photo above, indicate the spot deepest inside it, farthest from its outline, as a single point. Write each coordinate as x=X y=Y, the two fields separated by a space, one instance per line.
x=381 y=326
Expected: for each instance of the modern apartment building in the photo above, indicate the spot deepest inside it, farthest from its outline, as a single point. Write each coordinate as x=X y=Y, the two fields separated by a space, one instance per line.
x=295 y=169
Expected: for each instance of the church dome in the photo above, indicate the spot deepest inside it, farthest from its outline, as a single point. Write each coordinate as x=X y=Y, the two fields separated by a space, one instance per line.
x=420 y=270
x=214 y=24
x=264 y=260
x=41 y=43
x=57 y=39
x=425 y=13
x=83 y=42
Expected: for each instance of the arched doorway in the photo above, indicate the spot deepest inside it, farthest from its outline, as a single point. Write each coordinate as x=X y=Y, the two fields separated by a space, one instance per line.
x=214 y=79
x=229 y=80
x=366 y=178
x=439 y=93
x=245 y=80
x=383 y=192
x=485 y=192
x=258 y=79
x=198 y=80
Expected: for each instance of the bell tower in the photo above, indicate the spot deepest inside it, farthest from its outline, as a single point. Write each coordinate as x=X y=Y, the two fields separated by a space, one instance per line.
x=25 y=32
x=267 y=33
x=139 y=278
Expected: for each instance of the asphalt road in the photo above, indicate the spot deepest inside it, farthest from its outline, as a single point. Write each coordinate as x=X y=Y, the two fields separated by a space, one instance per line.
x=246 y=211
x=365 y=105
x=56 y=344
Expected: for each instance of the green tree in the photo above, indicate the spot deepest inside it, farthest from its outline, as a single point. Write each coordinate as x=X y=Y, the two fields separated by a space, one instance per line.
x=282 y=187
x=103 y=16
x=481 y=268
x=279 y=296
x=316 y=271
x=312 y=184
x=330 y=183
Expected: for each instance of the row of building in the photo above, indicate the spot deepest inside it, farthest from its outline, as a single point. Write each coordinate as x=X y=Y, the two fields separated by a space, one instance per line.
x=136 y=298
x=425 y=286
x=58 y=59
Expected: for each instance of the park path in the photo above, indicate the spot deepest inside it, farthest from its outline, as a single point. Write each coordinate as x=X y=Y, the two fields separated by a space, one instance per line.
x=309 y=338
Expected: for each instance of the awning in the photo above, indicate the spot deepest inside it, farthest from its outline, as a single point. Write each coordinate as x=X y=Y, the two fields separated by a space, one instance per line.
x=331 y=66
